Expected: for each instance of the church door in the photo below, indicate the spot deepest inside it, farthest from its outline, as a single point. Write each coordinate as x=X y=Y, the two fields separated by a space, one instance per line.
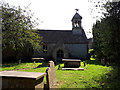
x=60 y=54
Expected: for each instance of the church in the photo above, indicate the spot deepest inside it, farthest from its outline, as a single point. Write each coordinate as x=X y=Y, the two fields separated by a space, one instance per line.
x=58 y=44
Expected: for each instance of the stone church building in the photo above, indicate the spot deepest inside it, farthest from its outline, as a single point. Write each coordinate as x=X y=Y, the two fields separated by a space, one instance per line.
x=60 y=44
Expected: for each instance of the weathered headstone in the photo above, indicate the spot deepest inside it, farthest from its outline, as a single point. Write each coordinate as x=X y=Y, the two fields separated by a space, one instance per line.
x=51 y=75
x=19 y=62
x=103 y=61
x=107 y=63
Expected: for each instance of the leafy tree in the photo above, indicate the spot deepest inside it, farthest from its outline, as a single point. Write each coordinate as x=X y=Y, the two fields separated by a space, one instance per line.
x=106 y=33
x=17 y=33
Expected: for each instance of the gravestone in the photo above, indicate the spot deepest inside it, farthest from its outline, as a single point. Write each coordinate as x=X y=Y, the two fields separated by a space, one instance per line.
x=71 y=63
x=40 y=60
x=51 y=75
x=103 y=61
x=24 y=80
x=19 y=62
x=107 y=63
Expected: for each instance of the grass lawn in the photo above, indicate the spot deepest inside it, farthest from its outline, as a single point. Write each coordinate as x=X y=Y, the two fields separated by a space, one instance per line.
x=94 y=75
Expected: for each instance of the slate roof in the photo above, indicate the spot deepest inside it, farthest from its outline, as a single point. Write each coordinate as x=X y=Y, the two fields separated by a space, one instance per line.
x=76 y=16
x=53 y=36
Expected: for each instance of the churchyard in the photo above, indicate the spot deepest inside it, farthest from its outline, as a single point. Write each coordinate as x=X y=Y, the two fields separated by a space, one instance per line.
x=20 y=42
x=94 y=74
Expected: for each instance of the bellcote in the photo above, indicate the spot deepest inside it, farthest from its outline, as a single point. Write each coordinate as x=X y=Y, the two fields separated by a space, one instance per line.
x=76 y=23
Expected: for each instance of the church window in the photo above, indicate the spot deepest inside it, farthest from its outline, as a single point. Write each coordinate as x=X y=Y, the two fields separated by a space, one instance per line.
x=45 y=48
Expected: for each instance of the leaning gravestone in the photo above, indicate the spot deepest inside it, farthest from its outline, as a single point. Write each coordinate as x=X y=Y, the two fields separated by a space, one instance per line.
x=51 y=75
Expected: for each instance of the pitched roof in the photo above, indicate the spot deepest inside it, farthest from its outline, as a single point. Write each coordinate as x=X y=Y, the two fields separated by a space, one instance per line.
x=52 y=36
x=76 y=16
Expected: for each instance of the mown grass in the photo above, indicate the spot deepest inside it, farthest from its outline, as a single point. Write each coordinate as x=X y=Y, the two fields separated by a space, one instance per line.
x=94 y=75
x=15 y=66
x=91 y=77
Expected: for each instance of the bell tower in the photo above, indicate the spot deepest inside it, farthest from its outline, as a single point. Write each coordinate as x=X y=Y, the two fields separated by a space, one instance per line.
x=76 y=24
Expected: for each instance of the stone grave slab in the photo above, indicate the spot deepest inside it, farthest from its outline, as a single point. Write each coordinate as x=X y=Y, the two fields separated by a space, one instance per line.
x=38 y=60
x=18 y=79
x=71 y=63
x=72 y=68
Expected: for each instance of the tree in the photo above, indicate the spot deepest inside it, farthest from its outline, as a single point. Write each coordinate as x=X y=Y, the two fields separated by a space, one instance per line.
x=17 y=32
x=106 y=33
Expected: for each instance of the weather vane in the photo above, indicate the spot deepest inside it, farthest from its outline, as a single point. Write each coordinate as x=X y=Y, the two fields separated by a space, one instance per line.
x=77 y=10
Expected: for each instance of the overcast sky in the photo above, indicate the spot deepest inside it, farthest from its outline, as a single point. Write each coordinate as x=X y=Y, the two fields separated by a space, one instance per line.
x=57 y=14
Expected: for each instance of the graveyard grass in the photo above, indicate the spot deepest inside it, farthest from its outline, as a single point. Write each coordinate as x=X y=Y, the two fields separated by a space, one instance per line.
x=94 y=75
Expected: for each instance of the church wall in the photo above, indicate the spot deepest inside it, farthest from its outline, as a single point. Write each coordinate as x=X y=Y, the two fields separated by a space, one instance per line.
x=77 y=50
x=40 y=52
x=77 y=31
x=50 y=49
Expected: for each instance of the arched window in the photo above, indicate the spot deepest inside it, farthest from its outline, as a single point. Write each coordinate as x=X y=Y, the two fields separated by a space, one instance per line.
x=76 y=24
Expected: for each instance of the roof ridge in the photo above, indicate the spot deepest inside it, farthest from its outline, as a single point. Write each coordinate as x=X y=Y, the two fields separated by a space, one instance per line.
x=52 y=30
